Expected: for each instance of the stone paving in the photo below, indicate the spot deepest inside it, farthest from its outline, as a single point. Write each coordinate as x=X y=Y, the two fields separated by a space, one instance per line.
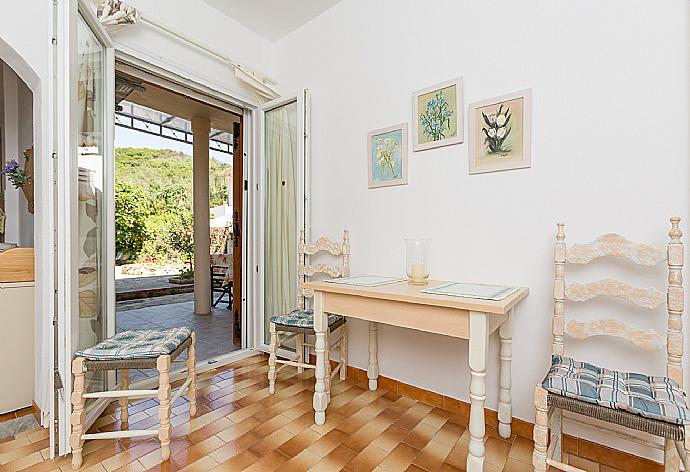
x=213 y=332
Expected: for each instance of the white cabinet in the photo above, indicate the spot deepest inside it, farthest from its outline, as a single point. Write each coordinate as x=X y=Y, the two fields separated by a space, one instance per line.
x=16 y=345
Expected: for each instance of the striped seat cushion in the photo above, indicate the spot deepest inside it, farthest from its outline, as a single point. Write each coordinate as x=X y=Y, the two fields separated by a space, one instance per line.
x=141 y=344
x=660 y=398
x=302 y=319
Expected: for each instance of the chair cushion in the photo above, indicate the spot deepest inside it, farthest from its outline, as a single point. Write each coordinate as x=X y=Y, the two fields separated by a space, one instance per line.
x=302 y=319
x=141 y=344
x=659 y=397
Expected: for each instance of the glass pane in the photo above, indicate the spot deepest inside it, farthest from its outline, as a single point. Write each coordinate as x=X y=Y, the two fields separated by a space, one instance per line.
x=90 y=168
x=280 y=242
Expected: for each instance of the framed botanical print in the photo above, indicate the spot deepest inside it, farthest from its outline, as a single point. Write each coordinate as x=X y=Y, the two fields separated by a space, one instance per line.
x=387 y=156
x=500 y=133
x=437 y=119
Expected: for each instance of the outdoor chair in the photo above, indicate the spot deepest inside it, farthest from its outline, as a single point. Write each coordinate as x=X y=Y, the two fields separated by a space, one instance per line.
x=299 y=323
x=221 y=278
x=606 y=400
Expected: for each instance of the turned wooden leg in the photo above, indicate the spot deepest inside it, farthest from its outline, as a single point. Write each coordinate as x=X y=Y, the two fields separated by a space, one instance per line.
x=320 y=327
x=273 y=348
x=164 y=433
x=541 y=429
x=191 y=374
x=556 y=428
x=479 y=337
x=78 y=414
x=373 y=367
x=343 y=353
x=299 y=347
x=671 y=458
x=328 y=365
x=505 y=416
x=124 y=401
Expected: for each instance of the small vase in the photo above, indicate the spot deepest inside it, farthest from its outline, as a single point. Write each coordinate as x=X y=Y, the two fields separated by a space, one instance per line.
x=417 y=260
x=28 y=190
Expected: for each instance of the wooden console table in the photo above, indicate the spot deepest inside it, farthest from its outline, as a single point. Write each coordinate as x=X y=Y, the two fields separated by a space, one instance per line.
x=404 y=305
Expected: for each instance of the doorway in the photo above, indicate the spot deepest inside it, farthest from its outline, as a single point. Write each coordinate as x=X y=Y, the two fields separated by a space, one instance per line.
x=179 y=235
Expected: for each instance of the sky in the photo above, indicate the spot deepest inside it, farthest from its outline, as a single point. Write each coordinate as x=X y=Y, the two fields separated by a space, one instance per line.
x=129 y=138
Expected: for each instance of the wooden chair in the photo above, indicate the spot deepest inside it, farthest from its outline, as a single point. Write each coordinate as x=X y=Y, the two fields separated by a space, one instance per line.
x=221 y=278
x=300 y=322
x=606 y=400
x=144 y=349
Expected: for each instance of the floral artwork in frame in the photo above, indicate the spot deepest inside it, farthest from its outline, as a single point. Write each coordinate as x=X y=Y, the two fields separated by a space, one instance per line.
x=387 y=156
x=500 y=133
x=438 y=119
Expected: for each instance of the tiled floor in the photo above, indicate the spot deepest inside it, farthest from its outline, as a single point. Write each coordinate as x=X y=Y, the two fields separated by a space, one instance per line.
x=241 y=427
x=214 y=331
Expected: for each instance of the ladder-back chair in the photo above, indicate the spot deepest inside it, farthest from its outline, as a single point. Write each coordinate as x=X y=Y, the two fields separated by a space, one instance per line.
x=300 y=322
x=613 y=401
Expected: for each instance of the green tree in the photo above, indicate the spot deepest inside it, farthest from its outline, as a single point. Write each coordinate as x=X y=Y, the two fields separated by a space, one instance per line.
x=131 y=212
x=181 y=236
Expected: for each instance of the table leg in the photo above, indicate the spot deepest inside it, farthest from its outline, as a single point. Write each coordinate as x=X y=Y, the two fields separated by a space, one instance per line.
x=373 y=368
x=479 y=340
x=320 y=326
x=505 y=415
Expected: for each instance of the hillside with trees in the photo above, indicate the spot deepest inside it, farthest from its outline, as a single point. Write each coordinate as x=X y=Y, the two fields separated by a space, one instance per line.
x=153 y=203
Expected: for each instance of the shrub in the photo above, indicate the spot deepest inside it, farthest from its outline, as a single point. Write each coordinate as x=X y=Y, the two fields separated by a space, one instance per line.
x=131 y=212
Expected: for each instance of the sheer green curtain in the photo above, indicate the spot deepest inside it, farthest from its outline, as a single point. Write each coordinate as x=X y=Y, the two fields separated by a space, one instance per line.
x=280 y=279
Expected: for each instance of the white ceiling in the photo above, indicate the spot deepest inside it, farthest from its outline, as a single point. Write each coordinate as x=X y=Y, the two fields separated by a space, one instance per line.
x=272 y=19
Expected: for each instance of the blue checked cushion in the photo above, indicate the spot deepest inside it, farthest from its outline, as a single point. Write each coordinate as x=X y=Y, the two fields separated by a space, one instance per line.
x=660 y=398
x=302 y=319
x=141 y=344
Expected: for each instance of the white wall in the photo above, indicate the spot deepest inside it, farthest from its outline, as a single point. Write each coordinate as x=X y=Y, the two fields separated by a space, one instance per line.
x=201 y=22
x=609 y=152
x=25 y=38
x=18 y=136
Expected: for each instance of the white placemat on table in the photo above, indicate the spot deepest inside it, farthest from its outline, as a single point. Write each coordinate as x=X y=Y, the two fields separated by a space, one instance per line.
x=365 y=280
x=470 y=290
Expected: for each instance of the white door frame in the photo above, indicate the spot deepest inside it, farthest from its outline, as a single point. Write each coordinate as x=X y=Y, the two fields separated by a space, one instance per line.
x=259 y=191
x=67 y=210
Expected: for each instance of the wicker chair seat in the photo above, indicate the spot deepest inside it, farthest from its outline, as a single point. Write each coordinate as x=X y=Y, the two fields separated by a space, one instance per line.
x=302 y=321
x=659 y=428
x=656 y=405
x=136 y=349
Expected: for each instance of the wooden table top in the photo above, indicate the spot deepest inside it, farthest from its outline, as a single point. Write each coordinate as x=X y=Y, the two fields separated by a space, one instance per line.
x=405 y=292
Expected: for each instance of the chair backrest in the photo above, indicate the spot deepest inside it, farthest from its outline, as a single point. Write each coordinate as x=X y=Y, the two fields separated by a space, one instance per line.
x=641 y=254
x=305 y=269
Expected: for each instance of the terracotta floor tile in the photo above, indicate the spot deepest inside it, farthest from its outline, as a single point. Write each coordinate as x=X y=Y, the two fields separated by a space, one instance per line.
x=433 y=455
x=268 y=463
x=361 y=438
x=367 y=459
x=335 y=460
x=241 y=426
x=420 y=435
x=271 y=442
x=522 y=449
x=301 y=462
x=583 y=464
x=400 y=458
x=390 y=438
x=238 y=462
x=514 y=465
x=300 y=442
x=329 y=441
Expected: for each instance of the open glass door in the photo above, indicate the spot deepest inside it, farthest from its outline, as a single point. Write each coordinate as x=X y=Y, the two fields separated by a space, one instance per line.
x=86 y=234
x=283 y=207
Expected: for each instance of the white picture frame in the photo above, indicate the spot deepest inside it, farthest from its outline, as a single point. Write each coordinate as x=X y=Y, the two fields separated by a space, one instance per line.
x=379 y=172
x=427 y=137
x=484 y=155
